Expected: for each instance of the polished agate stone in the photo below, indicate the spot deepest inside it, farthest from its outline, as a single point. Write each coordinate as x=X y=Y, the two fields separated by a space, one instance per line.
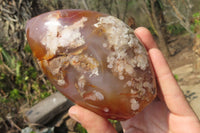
x=95 y=60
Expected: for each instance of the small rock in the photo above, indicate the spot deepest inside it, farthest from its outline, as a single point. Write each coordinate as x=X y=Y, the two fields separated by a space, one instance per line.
x=70 y=123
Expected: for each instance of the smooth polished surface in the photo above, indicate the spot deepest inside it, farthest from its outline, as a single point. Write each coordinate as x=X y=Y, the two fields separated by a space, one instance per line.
x=95 y=60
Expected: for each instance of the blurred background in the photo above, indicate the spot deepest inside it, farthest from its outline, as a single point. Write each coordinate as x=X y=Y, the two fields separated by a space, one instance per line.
x=175 y=25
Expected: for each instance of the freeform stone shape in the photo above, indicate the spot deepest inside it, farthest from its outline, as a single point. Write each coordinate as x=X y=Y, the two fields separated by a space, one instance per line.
x=95 y=60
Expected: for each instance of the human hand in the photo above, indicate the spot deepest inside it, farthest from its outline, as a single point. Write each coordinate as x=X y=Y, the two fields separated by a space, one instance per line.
x=169 y=113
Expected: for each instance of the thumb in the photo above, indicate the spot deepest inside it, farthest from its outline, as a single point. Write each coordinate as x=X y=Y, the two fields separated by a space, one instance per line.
x=92 y=122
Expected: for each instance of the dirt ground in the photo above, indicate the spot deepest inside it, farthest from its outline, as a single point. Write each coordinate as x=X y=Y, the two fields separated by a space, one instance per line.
x=182 y=65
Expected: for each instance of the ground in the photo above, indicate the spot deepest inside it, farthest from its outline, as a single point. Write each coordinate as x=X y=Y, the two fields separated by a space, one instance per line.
x=182 y=65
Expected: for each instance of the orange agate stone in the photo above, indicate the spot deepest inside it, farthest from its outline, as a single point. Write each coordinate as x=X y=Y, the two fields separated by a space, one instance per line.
x=95 y=60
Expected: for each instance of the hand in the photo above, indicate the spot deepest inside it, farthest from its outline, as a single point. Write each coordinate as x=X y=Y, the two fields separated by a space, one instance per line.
x=169 y=113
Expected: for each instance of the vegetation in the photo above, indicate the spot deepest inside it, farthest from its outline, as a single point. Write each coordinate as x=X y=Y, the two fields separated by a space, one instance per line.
x=176 y=29
x=80 y=129
x=22 y=83
x=196 y=47
x=195 y=26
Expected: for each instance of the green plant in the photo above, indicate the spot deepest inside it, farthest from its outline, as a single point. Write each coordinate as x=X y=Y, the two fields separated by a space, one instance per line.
x=44 y=94
x=175 y=29
x=3 y=100
x=176 y=77
x=27 y=48
x=14 y=94
x=151 y=29
x=80 y=129
x=112 y=121
x=195 y=26
x=20 y=81
x=7 y=58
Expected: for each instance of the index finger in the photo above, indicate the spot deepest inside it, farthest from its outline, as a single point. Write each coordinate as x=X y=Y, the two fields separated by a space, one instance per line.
x=144 y=35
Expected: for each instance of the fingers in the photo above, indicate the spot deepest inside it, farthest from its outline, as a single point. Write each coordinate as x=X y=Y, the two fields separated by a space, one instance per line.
x=92 y=122
x=169 y=88
x=144 y=35
x=172 y=94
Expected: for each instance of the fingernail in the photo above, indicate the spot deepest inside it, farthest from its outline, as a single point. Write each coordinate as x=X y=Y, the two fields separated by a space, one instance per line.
x=73 y=114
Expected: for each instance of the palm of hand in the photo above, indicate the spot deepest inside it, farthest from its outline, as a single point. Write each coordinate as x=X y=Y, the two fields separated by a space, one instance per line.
x=156 y=118
x=152 y=119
